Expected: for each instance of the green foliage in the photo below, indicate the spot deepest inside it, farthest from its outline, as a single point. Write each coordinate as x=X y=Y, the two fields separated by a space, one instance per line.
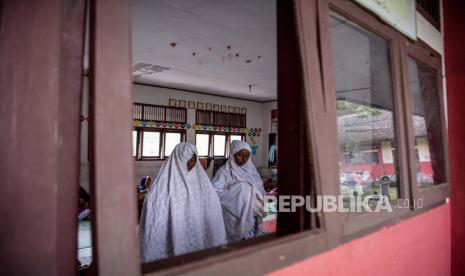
x=344 y=107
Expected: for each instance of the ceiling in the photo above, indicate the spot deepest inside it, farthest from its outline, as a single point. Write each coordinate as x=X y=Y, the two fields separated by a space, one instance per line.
x=218 y=47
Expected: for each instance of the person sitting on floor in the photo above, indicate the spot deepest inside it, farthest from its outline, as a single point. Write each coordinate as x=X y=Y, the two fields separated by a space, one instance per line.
x=181 y=212
x=241 y=193
x=142 y=189
x=84 y=205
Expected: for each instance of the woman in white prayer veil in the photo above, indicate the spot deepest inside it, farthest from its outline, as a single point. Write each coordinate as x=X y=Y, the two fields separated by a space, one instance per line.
x=241 y=192
x=182 y=212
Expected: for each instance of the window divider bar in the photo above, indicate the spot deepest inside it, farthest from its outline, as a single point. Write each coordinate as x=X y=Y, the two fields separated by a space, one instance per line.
x=111 y=171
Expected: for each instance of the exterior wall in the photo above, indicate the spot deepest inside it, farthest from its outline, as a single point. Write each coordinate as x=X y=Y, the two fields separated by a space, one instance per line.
x=423 y=149
x=384 y=167
x=417 y=246
x=386 y=151
x=386 y=158
x=455 y=66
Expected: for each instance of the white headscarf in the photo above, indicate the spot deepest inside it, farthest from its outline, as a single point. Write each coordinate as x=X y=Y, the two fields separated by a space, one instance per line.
x=241 y=191
x=232 y=171
x=182 y=212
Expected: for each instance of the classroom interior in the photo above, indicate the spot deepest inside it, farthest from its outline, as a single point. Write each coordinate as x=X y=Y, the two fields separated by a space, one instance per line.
x=204 y=72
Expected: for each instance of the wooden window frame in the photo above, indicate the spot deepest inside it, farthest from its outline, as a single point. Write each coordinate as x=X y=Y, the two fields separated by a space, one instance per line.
x=162 y=131
x=114 y=214
x=298 y=142
x=425 y=55
x=354 y=225
x=306 y=133
x=428 y=16
x=40 y=107
x=211 y=141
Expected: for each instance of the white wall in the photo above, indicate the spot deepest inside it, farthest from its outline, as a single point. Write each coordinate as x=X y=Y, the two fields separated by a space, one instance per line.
x=258 y=116
x=157 y=95
x=423 y=149
x=386 y=152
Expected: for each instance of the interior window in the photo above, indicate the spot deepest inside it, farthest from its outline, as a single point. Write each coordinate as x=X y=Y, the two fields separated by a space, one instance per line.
x=150 y=144
x=236 y=137
x=171 y=140
x=202 y=143
x=205 y=73
x=219 y=145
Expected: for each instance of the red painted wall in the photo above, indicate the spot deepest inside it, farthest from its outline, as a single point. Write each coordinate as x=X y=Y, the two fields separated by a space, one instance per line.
x=378 y=170
x=417 y=246
x=426 y=168
x=454 y=40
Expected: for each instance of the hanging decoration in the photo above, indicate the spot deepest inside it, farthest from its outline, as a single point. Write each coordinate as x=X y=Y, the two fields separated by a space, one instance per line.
x=152 y=124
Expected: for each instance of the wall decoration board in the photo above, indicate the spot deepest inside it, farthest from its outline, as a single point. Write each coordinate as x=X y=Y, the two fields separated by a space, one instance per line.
x=216 y=107
x=200 y=105
x=224 y=108
x=182 y=103
x=208 y=106
x=219 y=128
x=274 y=121
x=172 y=103
x=169 y=125
x=191 y=105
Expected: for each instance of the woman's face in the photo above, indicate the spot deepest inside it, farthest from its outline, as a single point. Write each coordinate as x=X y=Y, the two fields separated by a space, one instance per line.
x=191 y=162
x=241 y=157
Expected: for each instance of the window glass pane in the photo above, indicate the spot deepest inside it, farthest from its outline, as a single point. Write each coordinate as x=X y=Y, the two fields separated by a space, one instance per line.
x=171 y=140
x=151 y=144
x=426 y=124
x=201 y=141
x=365 y=112
x=134 y=142
x=236 y=137
x=219 y=143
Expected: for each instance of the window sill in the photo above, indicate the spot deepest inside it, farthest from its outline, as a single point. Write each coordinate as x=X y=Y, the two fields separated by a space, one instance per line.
x=155 y=159
x=359 y=225
x=259 y=256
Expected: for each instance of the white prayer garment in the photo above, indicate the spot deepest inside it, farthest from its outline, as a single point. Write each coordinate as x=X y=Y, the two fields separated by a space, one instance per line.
x=182 y=212
x=241 y=192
